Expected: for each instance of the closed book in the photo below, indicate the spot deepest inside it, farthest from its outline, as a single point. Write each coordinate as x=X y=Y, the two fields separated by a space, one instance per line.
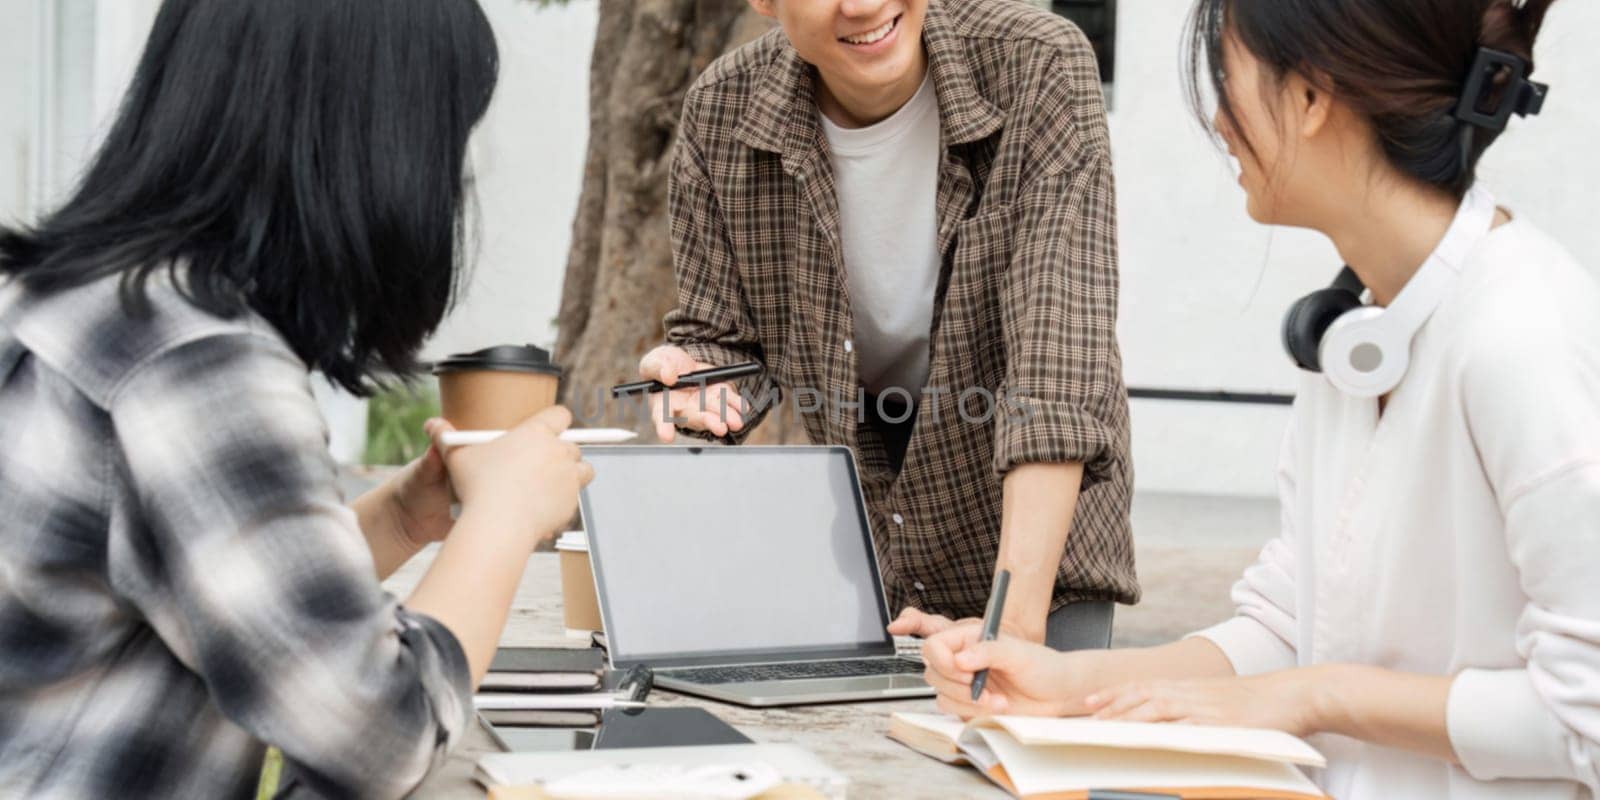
x=549 y=669
x=1067 y=758
x=546 y=709
x=542 y=717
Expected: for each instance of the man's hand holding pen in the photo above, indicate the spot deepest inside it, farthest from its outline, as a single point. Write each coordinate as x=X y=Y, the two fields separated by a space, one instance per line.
x=715 y=408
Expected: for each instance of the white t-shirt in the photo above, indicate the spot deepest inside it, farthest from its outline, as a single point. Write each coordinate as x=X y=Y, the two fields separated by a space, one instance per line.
x=1457 y=534
x=887 y=179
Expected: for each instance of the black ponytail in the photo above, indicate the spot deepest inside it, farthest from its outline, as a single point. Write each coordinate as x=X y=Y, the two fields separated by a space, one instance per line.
x=1514 y=27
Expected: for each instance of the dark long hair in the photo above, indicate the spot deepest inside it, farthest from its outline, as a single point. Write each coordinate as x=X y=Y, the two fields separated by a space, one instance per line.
x=303 y=159
x=1404 y=65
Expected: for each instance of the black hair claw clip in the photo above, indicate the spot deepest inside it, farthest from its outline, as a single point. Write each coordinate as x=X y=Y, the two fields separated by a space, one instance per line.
x=1522 y=97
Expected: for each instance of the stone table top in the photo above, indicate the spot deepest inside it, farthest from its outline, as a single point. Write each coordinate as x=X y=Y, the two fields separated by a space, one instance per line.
x=849 y=737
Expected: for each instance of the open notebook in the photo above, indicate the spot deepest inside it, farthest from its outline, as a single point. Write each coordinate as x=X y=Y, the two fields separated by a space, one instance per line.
x=1063 y=759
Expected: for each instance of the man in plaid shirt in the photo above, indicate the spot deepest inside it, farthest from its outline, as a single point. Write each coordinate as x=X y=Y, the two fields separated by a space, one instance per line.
x=904 y=210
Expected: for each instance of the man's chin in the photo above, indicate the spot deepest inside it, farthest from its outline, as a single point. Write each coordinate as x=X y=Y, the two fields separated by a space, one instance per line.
x=892 y=70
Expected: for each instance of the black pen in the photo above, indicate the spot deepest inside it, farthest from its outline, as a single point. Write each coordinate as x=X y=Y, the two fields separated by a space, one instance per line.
x=991 y=624
x=702 y=378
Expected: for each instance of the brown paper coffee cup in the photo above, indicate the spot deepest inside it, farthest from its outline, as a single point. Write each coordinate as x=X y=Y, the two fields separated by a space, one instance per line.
x=579 y=601
x=497 y=388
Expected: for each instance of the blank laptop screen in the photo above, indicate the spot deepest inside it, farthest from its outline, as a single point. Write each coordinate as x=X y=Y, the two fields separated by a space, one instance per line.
x=716 y=550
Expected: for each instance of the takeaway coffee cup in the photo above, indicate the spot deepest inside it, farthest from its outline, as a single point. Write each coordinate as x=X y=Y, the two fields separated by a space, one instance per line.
x=580 y=603
x=497 y=388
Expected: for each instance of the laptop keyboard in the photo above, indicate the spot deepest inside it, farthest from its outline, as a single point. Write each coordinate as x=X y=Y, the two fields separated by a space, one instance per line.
x=858 y=668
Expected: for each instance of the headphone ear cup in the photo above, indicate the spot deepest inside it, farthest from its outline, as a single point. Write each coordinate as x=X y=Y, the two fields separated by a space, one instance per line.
x=1309 y=318
x=1364 y=354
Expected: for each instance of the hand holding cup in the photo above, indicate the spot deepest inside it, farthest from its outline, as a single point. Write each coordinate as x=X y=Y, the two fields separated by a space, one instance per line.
x=528 y=477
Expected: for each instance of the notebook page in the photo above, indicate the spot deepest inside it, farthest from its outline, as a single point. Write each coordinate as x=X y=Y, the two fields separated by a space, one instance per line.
x=1036 y=770
x=978 y=750
x=942 y=724
x=971 y=745
x=1246 y=742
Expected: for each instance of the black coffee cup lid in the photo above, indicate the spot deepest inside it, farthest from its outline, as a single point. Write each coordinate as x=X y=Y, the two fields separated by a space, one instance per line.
x=505 y=358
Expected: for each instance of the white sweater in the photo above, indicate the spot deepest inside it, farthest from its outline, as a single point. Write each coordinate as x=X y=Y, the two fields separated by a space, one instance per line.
x=1457 y=535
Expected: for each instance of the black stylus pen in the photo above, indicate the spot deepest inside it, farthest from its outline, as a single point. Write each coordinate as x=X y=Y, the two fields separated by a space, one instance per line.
x=991 y=624
x=704 y=377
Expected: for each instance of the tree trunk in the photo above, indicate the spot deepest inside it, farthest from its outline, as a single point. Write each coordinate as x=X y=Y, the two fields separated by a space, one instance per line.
x=619 y=282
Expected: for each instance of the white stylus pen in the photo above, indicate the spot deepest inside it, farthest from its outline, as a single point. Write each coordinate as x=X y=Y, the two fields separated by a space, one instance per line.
x=574 y=435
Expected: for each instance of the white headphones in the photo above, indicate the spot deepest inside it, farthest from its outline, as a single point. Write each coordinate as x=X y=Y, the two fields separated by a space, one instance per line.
x=1365 y=350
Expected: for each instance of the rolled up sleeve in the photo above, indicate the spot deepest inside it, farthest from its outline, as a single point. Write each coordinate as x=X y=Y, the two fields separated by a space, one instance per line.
x=1501 y=728
x=1063 y=385
x=711 y=322
x=247 y=564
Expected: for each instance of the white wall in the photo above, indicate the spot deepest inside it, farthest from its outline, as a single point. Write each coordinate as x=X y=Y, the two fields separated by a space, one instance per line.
x=67 y=37
x=18 y=100
x=122 y=27
x=528 y=158
x=1203 y=287
x=63 y=67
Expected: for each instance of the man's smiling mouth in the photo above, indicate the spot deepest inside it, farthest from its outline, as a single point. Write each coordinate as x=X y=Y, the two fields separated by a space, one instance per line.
x=873 y=36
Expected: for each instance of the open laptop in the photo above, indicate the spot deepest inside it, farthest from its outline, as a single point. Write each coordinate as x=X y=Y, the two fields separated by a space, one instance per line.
x=744 y=574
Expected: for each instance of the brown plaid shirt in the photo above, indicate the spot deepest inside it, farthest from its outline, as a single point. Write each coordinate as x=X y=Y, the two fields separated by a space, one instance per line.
x=1026 y=305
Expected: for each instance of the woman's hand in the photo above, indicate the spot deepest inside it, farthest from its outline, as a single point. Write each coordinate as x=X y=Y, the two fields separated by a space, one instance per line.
x=1285 y=701
x=527 y=479
x=513 y=490
x=1024 y=678
x=421 y=497
x=408 y=511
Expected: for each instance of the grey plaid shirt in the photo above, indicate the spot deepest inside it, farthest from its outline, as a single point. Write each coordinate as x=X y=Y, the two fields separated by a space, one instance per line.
x=180 y=582
x=1026 y=306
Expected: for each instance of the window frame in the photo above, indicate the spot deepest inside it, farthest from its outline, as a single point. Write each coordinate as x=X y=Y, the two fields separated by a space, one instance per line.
x=1104 y=39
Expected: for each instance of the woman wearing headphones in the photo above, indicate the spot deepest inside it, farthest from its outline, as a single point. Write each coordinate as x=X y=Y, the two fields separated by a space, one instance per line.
x=1431 y=604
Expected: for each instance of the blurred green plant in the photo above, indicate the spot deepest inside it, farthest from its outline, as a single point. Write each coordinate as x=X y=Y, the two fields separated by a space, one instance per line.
x=271 y=772
x=394 y=424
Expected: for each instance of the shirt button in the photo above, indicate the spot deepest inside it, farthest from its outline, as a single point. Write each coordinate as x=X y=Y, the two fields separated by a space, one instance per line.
x=898 y=520
x=918 y=585
x=849 y=346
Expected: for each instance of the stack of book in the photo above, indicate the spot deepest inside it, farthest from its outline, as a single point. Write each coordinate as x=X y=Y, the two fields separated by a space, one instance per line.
x=544 y=687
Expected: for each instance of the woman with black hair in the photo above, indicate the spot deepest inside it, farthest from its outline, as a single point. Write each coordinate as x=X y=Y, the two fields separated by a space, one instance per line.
x=282 y=190
x=1431 y=606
